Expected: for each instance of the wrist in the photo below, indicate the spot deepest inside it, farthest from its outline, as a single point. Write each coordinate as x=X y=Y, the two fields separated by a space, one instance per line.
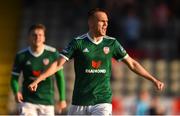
x=155 y=80
x=39 y=79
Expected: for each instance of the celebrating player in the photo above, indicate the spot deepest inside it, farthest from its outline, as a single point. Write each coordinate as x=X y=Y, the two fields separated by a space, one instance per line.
x=92 y=53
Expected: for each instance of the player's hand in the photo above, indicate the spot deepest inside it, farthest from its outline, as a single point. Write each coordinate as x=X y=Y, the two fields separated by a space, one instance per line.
x=159 y=85
x=19 y=97
x=60 y=106
x=33 y=86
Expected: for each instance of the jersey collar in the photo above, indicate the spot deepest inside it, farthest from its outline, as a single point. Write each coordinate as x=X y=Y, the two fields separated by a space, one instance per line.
x=35 y=54
x=98 y=42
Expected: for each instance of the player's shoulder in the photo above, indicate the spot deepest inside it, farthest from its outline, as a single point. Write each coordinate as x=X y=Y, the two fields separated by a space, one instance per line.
x=22 y=51
x=50 y=48
x=81 y=37
x=109 y=38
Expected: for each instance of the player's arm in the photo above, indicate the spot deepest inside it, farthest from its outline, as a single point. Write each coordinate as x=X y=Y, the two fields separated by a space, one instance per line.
x=60 y=84
x=61 y=88
x=138 y=69
x=14 y=84
x=15 y=88
x=15 y=74
x=54 y=67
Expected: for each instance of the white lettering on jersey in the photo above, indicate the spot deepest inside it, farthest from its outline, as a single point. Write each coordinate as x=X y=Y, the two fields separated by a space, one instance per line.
x=95 y=71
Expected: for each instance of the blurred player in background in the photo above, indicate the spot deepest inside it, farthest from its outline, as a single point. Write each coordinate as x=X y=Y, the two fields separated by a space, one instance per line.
x=31 y=62
x=92 y=53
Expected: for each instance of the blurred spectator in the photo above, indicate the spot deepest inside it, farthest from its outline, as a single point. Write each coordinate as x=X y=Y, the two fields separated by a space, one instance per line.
x=155 y=107
x=117 y=108
x=142 y=105
x=160 y=16
x=176 y=106
x=131 y=29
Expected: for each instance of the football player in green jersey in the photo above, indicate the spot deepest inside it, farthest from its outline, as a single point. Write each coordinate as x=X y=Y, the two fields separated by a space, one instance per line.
x=31 y=62
x=92 y=53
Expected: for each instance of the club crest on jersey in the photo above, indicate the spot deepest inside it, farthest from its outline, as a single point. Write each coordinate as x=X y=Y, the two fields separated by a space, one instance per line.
x=46 y=61
x=106 y=50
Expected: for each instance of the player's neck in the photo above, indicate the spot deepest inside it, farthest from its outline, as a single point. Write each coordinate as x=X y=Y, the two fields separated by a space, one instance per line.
x=37 y=49
x=95 y=37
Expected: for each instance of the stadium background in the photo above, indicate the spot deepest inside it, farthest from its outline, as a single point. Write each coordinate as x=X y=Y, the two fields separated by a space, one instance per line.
x=149 y=30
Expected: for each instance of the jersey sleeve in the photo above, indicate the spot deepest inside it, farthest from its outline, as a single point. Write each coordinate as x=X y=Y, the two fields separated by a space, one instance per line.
x=14 y=84
x=60 y=84
x=59 y=75
x=56 y=55
x=69 y=51
x=15 y=74
x=119 y=52
x=17 y=66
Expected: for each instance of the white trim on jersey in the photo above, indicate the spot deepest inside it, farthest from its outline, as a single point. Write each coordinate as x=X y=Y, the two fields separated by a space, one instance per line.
x=23 y=50
x=14 y=73
x=50 y=48
x=98 y=42
x=81 y=37
x=64 y=56
x=108 y=37
x=126 y=56
x=36 y=54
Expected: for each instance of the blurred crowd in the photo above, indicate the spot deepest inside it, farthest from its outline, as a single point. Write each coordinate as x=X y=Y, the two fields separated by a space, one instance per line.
x=146 y=26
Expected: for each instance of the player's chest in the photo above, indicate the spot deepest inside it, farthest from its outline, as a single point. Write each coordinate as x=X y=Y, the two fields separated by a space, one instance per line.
x=36 y=63
x=95 y=51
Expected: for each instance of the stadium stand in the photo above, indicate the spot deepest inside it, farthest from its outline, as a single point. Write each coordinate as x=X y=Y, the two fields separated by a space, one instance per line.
x=9 y=21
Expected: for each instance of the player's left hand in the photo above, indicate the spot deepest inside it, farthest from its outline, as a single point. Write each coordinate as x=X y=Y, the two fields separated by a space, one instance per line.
x=60 y=106
x=159 y=85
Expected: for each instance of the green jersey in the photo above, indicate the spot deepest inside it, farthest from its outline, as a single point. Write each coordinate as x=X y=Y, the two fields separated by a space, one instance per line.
x=92 y=62
x=32 y=65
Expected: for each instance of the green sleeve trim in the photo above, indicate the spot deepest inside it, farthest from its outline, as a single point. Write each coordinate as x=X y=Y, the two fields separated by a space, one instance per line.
x=14 y=84
x=61 y=84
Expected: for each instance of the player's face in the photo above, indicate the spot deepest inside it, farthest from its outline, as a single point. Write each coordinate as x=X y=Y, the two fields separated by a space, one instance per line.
x=37 y=37
x=100 y=23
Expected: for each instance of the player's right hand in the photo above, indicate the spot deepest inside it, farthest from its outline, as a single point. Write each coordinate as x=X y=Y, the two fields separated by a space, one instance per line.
x=33 y=86
x=19 y=97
